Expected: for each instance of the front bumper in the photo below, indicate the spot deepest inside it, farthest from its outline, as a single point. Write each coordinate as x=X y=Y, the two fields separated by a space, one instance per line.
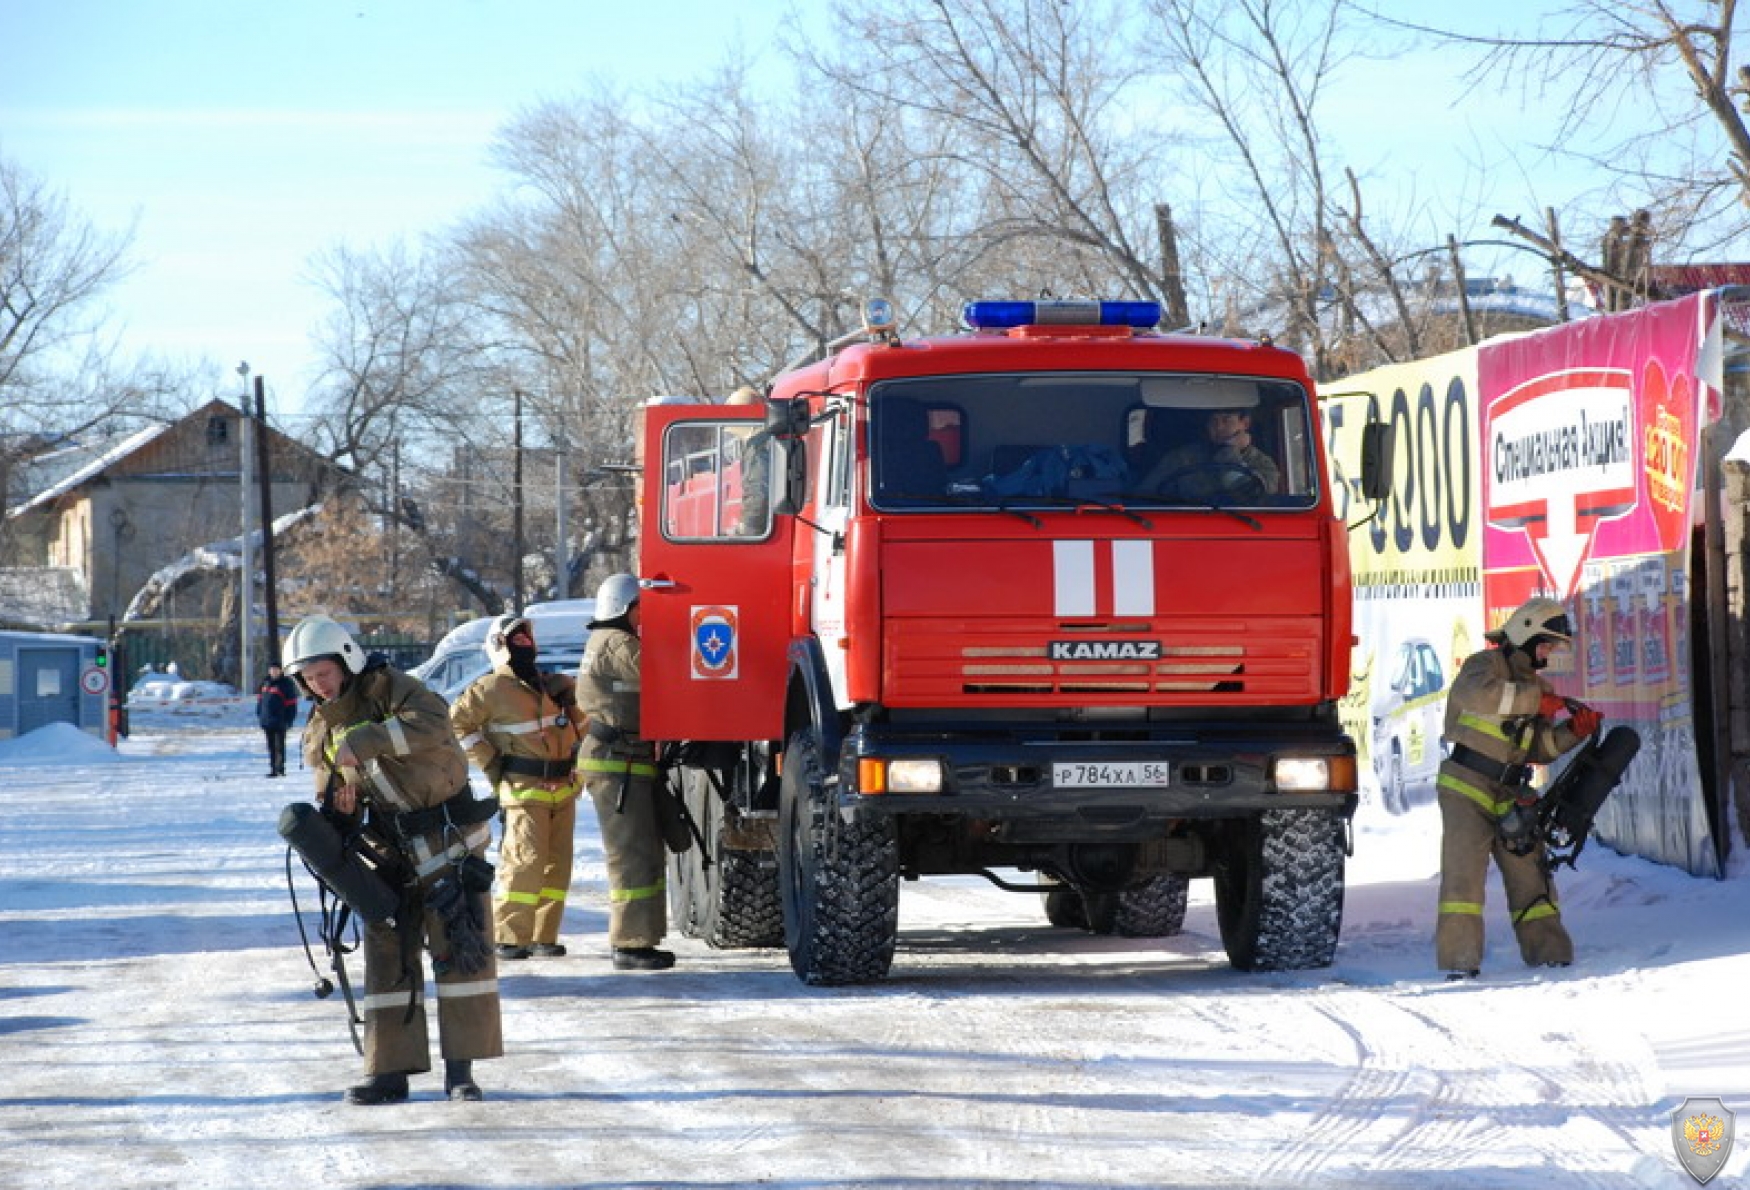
x=1213 y=770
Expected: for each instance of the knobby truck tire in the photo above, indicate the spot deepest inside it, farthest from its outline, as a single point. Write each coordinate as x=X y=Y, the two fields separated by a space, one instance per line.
x=1279 y=890
x=734 y=904
x=839 y=878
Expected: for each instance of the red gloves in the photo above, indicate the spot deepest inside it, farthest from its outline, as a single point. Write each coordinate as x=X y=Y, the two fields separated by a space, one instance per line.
x=1585 y=720
x=1552 y=705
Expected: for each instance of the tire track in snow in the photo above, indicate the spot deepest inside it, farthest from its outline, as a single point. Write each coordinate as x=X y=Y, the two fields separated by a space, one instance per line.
x=1427 y=1092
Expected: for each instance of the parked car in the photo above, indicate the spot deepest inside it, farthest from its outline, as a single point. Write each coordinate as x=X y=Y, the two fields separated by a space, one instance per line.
x=1408 y=719
x=561 y=630
x=167 y=690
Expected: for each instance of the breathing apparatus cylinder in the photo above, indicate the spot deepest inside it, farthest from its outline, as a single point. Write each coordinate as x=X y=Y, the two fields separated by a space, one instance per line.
x=364 y=889
x=1573 y=801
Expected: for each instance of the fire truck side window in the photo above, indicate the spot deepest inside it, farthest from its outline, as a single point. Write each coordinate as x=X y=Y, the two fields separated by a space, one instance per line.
x=716 y=482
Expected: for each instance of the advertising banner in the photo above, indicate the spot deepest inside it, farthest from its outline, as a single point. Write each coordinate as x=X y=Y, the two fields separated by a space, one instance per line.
x=1417 y=564
x=1561 y=463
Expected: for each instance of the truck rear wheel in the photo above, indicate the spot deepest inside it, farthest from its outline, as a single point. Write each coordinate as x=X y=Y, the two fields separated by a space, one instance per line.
x=1279 y=890
x=839 y=878
x=733 y=904
x=1154 y=910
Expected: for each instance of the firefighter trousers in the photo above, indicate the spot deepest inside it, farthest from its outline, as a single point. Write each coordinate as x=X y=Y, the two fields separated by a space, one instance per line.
x=1469 y=840
x=534 y=867
x=393 y=1006
x=637 y=859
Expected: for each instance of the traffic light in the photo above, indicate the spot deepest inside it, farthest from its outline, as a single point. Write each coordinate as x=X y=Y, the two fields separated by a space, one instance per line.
x=102 y=658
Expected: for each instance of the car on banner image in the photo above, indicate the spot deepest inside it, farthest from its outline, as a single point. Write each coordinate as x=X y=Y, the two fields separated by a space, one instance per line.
x=1409 y=713
x=561 y=631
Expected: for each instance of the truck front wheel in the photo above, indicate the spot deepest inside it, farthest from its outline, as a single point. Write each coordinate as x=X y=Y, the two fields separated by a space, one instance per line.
x=839 y=877
x=1279 y=890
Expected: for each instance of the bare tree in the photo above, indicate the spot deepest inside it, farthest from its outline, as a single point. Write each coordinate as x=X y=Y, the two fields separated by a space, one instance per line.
x=1653 y=97
x=53 y=267
x=1029 y=96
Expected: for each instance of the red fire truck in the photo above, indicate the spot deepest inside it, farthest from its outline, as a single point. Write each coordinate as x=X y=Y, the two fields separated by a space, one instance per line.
x=1015 y=600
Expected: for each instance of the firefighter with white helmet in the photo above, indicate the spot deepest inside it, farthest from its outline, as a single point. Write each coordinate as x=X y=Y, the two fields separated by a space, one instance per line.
x=389 y=773
x=1501 y=718
x=521 y=727
x=620 y=772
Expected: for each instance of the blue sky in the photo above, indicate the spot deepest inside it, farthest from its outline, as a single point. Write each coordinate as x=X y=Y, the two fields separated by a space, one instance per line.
x=240 y=138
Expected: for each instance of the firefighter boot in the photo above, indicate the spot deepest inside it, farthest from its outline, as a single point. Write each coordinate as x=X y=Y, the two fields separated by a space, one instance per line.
x=379 y=1088
x=459 y=1081
x=642 y=958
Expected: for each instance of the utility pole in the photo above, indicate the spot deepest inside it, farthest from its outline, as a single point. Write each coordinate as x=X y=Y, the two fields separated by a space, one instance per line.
x=246 y=570
x=562 y=540
x=517 y=504
x=270 y=590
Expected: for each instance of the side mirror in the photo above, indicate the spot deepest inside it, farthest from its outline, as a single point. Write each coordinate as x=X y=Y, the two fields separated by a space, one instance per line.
x=787 y=421
x=1378 y=453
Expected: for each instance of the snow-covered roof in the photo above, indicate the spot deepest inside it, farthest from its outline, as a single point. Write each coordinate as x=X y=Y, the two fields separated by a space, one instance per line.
x=91 y=470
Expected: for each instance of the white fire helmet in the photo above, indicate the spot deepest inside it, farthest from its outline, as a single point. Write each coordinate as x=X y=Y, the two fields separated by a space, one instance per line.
x=1535 y=618
x=498 y=637
x=320 y=636
x=615 y=597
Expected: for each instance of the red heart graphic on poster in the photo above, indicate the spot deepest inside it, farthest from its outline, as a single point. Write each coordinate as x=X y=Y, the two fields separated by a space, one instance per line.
x=1666 y=412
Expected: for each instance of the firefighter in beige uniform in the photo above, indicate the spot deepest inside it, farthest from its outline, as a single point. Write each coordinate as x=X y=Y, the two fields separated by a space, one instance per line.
x=520 y=726
x=1500 y=719
x=619 y=769
x=384 y=758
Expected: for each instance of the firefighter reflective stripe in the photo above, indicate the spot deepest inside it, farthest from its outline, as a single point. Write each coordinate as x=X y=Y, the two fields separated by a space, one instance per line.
x=526 y=727
x=625 y=685
x=521 y=898
x=1540 y=909
x=397 y=736
x=590 y=764
x=472 y=738
x=552 y=797
x=1133 y=578
x=474 y=987
x=1508 y=693
x=1481 y=797
x=640 y=894
x=398 y=999
x=1489 y=727
x=380 y=782
x=474 y=838
x=1463 y=908
x=1078 y=566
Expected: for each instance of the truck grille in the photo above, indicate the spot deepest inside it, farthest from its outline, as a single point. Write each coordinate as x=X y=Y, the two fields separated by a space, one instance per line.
x=1210 y=661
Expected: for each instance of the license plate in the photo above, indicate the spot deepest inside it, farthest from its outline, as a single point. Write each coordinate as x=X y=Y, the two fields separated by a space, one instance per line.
x=1109 y=775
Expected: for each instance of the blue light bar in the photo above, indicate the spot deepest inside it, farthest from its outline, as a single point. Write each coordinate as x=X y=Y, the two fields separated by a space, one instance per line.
x=1003 y=315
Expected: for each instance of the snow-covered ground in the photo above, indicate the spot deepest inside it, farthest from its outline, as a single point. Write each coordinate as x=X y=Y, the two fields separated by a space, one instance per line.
x=158 y=1030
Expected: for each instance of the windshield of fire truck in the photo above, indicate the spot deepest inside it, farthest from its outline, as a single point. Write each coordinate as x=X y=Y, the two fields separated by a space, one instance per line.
x=1046 y=440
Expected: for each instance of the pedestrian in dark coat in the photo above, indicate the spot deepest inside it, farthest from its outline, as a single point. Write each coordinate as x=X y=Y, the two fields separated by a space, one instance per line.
x=276 y=709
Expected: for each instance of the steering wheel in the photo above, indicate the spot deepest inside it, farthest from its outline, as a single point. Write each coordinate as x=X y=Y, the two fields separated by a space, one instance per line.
x=1227 y=478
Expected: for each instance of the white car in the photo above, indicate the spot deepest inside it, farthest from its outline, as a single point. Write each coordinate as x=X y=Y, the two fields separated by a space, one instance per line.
x=561 y=630
x=1408 y=721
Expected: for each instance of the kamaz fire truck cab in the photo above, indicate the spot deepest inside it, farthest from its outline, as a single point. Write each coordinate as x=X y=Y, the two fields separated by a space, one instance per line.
x=1058 y=594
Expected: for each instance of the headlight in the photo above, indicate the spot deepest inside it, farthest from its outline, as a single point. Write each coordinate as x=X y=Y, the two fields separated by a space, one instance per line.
x=914 y=776
x=1315 y=774
x=877 y=775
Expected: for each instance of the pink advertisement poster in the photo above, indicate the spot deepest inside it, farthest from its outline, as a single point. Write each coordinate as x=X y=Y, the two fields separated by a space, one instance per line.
x=1588 y=440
